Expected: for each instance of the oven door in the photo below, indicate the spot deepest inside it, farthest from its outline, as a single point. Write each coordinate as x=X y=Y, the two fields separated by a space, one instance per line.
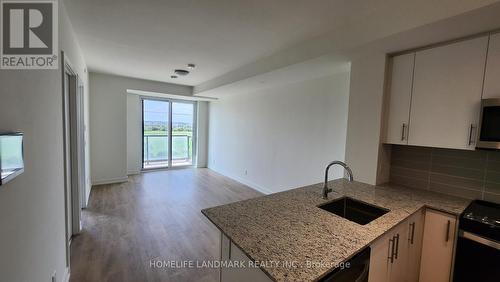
x=489 y=127
x=477 y=259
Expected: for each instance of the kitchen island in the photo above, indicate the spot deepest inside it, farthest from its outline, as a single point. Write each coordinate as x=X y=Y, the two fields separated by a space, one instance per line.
x=308 y=242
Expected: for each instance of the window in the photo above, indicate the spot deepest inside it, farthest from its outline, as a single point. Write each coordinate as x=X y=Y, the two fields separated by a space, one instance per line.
x=168 y=133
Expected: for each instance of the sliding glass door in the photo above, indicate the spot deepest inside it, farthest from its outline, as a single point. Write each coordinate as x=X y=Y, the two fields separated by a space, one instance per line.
x=156 y=128
x=168 y=133
x=182 y=133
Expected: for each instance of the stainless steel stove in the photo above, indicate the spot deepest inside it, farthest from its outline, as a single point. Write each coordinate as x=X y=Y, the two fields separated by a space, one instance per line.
x=478 y=247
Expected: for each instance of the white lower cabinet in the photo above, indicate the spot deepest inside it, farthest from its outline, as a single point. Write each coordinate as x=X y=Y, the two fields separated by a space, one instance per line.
x=395 y=256
x=418 y=249
x=230 y=252
x=415 y=236
x=437 y=247
x=389 y=256
x=400 y=260
x=380 y=255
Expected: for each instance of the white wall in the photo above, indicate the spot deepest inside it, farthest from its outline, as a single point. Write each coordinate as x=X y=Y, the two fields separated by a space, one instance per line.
x=32 y=212
x=365 y=116
x=108 y=123
x=280 y=138
x=134 y=127
x=202 y=122
x=74 y=55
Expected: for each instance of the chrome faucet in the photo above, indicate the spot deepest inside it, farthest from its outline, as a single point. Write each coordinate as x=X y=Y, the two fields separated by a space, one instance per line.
x=325 y=186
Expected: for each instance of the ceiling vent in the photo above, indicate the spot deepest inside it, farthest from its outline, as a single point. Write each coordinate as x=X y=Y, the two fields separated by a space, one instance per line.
x=181 y=72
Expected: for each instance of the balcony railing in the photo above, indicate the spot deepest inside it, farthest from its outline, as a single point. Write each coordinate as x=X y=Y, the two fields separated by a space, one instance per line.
x=156 y=149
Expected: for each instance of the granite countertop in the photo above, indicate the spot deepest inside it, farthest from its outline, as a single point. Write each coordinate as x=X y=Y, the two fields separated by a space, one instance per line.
x=308 y=242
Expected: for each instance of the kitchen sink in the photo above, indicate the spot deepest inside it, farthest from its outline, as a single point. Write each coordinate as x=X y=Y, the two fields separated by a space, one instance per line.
x=354 y=210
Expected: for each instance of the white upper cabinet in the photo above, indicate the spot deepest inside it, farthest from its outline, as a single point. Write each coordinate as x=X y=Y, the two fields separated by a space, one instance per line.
x=446 y=97
x=399 y=99
x=491 y=80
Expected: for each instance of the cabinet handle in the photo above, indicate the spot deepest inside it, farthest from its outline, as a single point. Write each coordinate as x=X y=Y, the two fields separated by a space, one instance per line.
x=448 y=225
x=471 y=140
x=412 y=232
x=391 y=247
x=403 y=132
x=397 y=246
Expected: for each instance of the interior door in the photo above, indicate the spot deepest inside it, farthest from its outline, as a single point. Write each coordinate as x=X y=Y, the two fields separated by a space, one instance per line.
x=67 y=160
x=76 y=125
x=74 y=162
x=447 y=87
x=81 y=145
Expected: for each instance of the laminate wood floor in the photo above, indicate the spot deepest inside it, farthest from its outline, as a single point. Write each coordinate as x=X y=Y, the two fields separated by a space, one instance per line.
x=153 y=216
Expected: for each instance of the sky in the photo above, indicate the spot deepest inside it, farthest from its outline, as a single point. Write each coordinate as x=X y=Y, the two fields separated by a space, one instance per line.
x=158 y=111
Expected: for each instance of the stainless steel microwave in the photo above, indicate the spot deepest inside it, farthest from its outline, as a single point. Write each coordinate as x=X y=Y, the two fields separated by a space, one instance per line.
x=489 y=124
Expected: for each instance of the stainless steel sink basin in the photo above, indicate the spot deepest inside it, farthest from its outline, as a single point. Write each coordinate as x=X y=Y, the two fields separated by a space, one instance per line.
x=354 y=210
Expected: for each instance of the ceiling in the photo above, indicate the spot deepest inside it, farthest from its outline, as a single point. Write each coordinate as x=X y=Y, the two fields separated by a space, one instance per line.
x=234 y=40
x=149 y=39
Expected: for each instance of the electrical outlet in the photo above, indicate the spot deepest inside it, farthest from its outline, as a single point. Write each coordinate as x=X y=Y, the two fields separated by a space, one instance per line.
x=54 y=277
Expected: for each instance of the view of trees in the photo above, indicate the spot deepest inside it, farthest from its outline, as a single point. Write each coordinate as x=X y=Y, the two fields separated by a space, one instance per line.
x=156 y=128
x=156 y=147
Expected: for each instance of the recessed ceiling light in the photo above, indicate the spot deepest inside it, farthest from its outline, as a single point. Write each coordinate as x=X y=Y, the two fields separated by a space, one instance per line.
x=181 y=72
x=191 y=66
x=173 y=76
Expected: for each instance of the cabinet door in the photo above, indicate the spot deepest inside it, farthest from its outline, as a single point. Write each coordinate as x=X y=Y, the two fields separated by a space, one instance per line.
x=399 y=266
x=446 y=97
x=437 y=247
x=380 y=254
x=389 y=256
x=491 y=81
x=415 y=235
x=399 y=98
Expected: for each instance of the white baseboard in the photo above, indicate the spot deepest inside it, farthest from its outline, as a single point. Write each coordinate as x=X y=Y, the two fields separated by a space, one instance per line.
x=243 y=181
x=87 y=196
x=110 y=181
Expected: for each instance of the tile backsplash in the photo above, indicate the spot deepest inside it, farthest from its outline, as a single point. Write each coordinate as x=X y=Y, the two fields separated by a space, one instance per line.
x=467 y=174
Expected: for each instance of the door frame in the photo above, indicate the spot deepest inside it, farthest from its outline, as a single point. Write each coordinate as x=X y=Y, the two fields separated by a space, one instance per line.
x=82 y=160
x=194 y=137
x=73 y=151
